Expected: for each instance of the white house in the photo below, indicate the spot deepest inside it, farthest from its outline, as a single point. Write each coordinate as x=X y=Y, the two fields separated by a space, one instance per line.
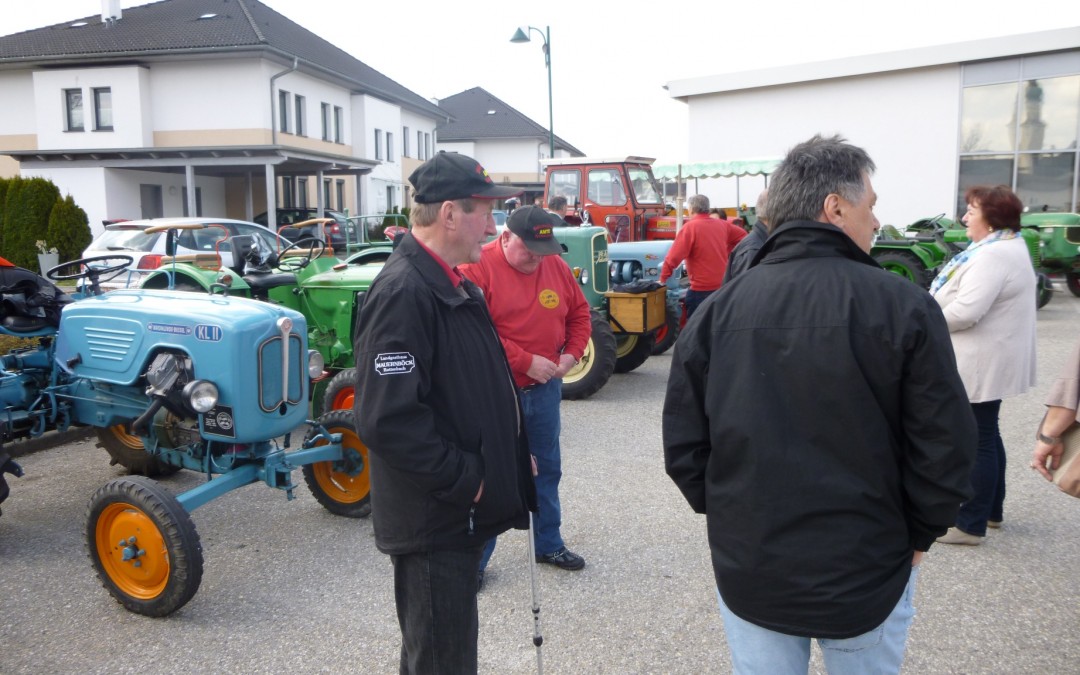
x=195 y=106
x=935 y=120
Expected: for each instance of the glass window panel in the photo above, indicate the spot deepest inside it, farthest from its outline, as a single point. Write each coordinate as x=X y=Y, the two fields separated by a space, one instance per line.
x=988 y=120
x=1051 y=65
x=1044 y=182
x=103 y=118
x=987 y=72
x=605 y=187
x=564 y=183
x=1051 y=109
x=73 y=100
x=984 y=170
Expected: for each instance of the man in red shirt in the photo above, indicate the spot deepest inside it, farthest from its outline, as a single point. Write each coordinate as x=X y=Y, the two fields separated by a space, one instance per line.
x=704 y=243
x=543 y=320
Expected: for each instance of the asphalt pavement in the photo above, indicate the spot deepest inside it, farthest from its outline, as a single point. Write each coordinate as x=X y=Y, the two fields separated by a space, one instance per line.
x=288 y=587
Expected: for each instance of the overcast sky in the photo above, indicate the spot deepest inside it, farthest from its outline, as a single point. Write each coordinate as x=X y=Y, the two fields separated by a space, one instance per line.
x=611 y=59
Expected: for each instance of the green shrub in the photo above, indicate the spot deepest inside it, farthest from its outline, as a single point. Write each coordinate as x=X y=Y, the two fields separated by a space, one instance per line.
x=69 y=229
x=26 y=218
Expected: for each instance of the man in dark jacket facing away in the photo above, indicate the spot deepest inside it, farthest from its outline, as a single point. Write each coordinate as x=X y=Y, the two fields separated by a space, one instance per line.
x=438 y=410
x=815 y=415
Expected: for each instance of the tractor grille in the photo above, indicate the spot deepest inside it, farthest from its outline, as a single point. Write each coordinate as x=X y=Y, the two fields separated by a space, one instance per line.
x=108 y=344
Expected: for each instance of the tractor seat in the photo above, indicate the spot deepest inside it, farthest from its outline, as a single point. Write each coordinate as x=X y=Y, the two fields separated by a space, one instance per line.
x=264 y=282
x=25 y=324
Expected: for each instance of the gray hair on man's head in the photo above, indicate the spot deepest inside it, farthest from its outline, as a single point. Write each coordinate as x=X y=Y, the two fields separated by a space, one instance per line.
x=698 y=204
x=812 y=171
x=761 y=208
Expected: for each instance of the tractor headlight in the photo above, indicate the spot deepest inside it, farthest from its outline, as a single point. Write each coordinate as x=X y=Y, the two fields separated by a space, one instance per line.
x=315 y=363
x=201 y=395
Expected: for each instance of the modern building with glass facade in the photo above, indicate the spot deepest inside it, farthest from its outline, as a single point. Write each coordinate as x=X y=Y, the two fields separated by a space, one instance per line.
x=936 y=120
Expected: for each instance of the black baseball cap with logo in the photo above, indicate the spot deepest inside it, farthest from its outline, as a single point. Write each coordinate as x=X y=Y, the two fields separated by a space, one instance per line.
x=536 y=227
x=449 y=175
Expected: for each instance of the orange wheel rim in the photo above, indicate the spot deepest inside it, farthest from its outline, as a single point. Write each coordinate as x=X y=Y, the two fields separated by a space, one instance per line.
x=338 y=485
x=344 y=399
x=122 y=435
x=123 y=527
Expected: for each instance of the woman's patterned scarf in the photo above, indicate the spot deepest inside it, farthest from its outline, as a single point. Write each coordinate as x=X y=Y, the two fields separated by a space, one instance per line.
x=954 y=264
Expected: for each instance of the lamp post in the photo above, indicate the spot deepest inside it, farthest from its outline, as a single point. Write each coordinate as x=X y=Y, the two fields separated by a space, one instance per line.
x=521 y=36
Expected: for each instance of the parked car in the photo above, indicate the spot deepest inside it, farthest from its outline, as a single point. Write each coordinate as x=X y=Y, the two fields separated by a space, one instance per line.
x=338 y=233
x=148 y=250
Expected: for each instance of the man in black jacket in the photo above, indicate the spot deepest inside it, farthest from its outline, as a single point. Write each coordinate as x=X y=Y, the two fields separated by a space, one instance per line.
x=438 y=410
x=815 y=415
x=744 y=252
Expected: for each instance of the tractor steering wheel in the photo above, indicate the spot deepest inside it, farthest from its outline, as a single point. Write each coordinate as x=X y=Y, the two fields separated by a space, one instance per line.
x=88 y=272
x=315 y=248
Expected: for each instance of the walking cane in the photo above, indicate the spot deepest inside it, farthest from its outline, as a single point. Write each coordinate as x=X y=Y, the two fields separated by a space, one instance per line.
x=538 y=638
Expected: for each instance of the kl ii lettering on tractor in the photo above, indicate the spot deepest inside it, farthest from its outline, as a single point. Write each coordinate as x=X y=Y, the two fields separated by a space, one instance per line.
x=206 y=383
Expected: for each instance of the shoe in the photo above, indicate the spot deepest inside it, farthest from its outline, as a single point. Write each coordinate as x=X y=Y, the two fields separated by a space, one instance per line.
x=563 y=558
x=995 y=524
x=479 y=580
x=957 y=536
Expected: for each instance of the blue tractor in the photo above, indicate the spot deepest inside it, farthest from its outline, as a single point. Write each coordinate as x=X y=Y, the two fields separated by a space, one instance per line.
x=205 y=383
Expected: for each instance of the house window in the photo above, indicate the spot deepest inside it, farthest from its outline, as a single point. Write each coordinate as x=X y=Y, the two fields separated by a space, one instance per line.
x=103 y=109
x=288 y=191
x=389 y=198
x=300 y=117
x=389 y=146
x=74 y=106
x=301 y=193
x=283 y=110
x=427 y=146
x=340 y=185
x=326 y=121
x=378 y=144
x=405 y=142
x=339 y=123
x=420 y=145
x=326 y=193
x=198 y=202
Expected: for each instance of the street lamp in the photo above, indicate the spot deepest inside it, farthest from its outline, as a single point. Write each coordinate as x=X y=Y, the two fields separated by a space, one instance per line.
x=521 y=36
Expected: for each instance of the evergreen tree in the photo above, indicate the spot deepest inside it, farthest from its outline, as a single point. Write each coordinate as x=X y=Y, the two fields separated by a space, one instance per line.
x=69 y=229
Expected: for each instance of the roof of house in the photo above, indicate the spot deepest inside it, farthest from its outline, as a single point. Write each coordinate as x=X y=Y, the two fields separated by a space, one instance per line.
x=922 y=57
x=192 y=27
x=479 y=115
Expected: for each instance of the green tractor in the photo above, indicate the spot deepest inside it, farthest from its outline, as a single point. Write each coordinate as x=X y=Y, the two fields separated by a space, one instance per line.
x=919 y=252
x=1059 y=245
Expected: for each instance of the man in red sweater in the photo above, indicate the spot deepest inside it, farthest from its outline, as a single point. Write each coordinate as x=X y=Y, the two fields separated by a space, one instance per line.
x=704 y=243
x=543 y=320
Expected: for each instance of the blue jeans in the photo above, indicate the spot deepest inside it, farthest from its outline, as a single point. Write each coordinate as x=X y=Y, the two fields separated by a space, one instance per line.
x=756 y=650
x=435 y=593
x=988 y=474
x=540 y=407
x=694 y=298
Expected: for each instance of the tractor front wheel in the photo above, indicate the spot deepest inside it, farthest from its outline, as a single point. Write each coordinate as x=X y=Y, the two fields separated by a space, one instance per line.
x=906 y=265
x=143 y=546
x=632 y=351
x=596 y=365
x=343 y=487
x=1044 y=290
x=128 y=451
x=341 y=391
x=1072 y=280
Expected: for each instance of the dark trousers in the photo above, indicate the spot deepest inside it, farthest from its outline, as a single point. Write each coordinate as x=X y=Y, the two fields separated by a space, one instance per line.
x=988 y=474
x=694 y=298
x=436 y=605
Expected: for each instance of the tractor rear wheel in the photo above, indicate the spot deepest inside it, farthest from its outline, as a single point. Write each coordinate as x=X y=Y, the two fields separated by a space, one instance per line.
x=664 y=337
x=128 y=451
x=341 y=391
x=1072 y=280
x=631 y=351
x=906 y=265
x=343 y=487
x=143 y=546
x=596 y=365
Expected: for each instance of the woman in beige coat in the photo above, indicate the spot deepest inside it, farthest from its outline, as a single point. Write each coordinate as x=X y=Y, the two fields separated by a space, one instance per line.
x=987 y=293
